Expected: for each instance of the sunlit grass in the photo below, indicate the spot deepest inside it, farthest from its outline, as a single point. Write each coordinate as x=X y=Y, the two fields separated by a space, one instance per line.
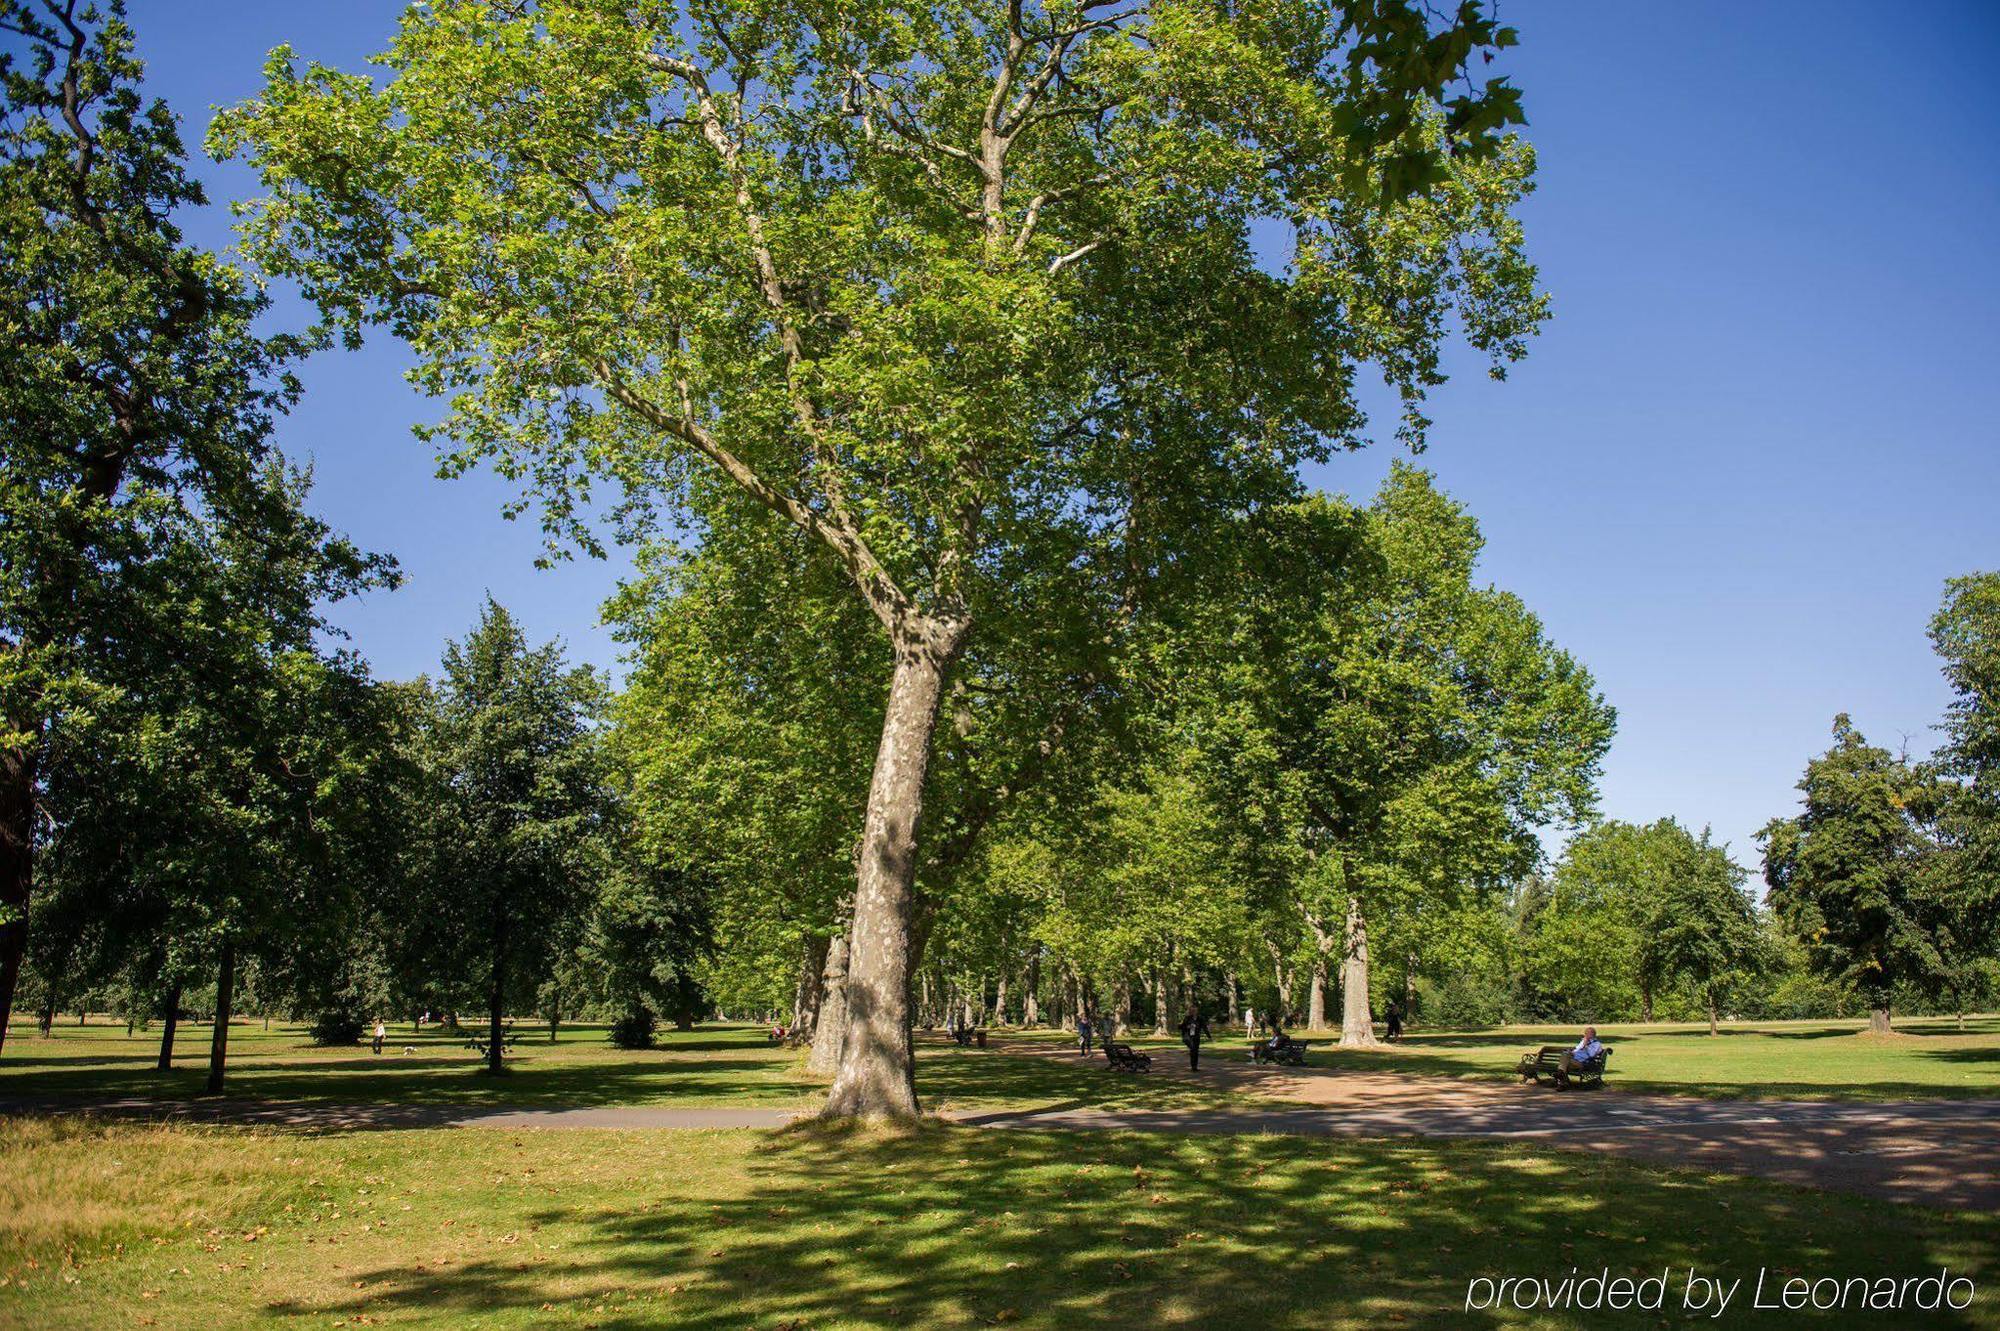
x=1808 y=1060
x=115 y=1226
x=712 y=1066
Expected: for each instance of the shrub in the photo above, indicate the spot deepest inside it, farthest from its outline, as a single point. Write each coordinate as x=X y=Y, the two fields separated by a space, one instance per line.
x=634 y=1030
x=336 y=1027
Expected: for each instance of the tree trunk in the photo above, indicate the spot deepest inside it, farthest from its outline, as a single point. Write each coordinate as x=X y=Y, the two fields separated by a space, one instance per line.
x=49 y=1010
x=1878 y=1021
x=555 y=1018
x=1409 y=987
x=1316 y=995
x=1646 y=1001
x=1235 y=1000
x=806 y=993
x=877 y=1074
x=173 y=1017
x=17 y=844
x=496 y=996
x=1000 y=1001
x=1159 y=1001
x=1031 y=1011
x=1357 y=1023
x=225 y=993
x=831 y=1028
x=1283 y=977
x=1713 y=1027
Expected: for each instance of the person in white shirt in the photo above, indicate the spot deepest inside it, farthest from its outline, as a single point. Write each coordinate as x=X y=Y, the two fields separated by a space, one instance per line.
x=1589 y=1051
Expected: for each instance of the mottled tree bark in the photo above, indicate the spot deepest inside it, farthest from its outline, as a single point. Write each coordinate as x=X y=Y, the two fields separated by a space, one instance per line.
x=807 y=992
x=831 y=1028
x=1357 y=1023
x=877 y=1073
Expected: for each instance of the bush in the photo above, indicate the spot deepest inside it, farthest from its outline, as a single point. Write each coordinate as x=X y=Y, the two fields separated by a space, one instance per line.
x=634 y=1030
x=1467 y=999
x=337 y=1027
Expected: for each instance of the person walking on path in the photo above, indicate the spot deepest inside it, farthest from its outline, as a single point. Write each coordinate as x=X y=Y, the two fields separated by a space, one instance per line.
x=381 y=1031
x=1194 y=1029
x=1083 y=1034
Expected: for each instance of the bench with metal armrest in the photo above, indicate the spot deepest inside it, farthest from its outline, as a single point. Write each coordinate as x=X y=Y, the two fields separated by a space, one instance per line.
x=1547 y=1062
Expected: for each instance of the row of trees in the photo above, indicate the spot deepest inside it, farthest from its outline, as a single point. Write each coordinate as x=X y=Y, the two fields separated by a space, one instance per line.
x=199 y=788
x=984 y=638
x=1173 y=887
x=458 y=845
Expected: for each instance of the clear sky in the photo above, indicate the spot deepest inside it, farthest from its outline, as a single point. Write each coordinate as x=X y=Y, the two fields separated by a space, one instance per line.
x=1761 y=430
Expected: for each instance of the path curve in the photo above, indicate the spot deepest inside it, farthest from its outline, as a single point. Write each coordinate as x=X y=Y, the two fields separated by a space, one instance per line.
x=1940 y=1153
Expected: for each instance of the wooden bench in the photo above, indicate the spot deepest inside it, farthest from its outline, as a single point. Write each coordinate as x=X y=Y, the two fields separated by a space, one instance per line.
x=1290 y=1052
x=1123 y=1058
x=1547 y=1062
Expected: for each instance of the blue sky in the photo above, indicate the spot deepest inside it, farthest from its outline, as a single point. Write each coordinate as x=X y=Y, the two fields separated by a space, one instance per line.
x=1732 y=475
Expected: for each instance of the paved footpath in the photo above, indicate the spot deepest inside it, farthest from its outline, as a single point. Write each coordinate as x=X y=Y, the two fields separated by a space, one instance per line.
x=1943 y=1153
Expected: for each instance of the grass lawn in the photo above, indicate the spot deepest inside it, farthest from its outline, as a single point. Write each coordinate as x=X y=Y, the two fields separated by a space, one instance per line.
x=1824 y=1060
x=710 y=1066
x=211 y=1228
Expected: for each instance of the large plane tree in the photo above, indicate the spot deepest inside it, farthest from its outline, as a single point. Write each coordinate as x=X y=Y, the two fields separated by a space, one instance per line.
x=1004 y=305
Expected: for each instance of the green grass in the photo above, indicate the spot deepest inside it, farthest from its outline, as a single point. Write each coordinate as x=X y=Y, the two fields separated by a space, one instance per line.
x=1765 y=1060
x=710 y=1066
x=736 y=1065
x=118 y=1226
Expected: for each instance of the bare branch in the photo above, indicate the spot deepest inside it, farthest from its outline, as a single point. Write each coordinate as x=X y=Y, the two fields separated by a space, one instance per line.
x=1063 y=261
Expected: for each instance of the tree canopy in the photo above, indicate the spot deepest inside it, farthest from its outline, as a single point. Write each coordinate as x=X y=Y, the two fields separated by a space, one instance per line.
x=971 y=296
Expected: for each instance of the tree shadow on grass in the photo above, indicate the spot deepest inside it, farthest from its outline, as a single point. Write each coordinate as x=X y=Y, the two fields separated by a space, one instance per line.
x=651 y=1077
x=947 y=1227
x=948 y=1077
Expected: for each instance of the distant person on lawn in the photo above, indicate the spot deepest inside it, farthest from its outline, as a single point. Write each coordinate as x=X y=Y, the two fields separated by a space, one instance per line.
x=380 y=1032
x=1083 y=1034
x=1589 y=1050
x=1394 y=1022
x=1194 y=1029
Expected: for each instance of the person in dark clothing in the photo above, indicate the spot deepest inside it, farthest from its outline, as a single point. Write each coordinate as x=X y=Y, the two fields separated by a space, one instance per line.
x=1083 y=1032
x=1395 y=1022
x=1194 y=1029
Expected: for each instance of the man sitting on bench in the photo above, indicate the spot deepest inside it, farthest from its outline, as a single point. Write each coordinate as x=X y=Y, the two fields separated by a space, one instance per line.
x=1588 y=1056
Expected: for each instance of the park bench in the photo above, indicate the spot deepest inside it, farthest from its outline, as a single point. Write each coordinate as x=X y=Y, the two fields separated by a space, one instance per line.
x=1124 y=1058
x=1290 y=1052
x=1547 y=1062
